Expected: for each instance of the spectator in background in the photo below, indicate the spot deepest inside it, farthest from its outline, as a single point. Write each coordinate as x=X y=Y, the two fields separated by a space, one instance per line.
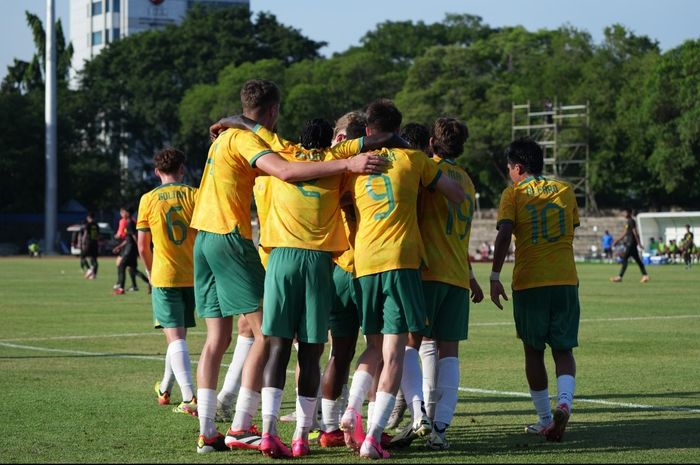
x=661 y=248
x=673 y=251
x=606 y=243
x=653 y=247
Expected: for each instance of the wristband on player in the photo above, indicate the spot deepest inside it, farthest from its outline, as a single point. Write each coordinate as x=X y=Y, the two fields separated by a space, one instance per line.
x=495 y=276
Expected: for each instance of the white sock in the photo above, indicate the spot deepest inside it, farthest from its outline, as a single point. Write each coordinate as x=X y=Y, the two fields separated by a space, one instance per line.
x=206 y=409
x=232 y=382
x=361 y=384
x=429 y=364
x=566 y=385
x=166 y=383
x=447 y=386
x=180 y=362
x=330 y=412
x=370 y=411
x=412 y=382
x=306 y=412
x=542 y=406
x=271 y=403
x=384 y=404
x=246 y=408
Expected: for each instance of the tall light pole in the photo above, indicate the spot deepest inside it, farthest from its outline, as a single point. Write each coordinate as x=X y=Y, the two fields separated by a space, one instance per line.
x=50 y=204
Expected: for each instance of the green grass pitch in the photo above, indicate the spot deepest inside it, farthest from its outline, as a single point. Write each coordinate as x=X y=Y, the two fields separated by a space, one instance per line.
x=78 y=367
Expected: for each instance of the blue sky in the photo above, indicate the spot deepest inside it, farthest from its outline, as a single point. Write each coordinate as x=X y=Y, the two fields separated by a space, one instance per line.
x=342 y=23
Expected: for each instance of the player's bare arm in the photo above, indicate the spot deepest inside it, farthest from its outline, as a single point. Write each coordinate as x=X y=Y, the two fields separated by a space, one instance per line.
x=451 y=189
x=502 y=243
x=144 y=246
x=277 y=166
x=476 y=291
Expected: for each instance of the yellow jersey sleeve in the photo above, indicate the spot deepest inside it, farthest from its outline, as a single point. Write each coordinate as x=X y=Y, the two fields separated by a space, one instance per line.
x=446 y=227
x=544 y=213
x=226 y=188
x=273 y=139
x=346 y=149
x=430 y=173
x=143 y=212
x=167 y=212
x=506 y=209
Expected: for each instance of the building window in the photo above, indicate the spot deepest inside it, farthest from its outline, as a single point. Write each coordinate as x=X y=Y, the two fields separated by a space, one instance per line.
x=97 y=38
x=116 y=7
x=115 y=34
x=107 y=6
x=96 y=8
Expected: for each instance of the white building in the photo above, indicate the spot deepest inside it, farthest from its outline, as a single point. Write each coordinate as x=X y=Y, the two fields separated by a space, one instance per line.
x=96 y=23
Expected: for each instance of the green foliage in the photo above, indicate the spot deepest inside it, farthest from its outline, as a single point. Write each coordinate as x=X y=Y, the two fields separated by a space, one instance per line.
x=166 y=87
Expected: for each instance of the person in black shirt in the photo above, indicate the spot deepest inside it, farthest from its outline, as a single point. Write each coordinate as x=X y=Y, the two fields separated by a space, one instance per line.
x=687 y=246
x=128 y=251
x=90 y=235
x=630 y=239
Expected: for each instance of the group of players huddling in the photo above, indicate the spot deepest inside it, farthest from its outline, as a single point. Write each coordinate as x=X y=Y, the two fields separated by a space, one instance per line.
x=358 y=229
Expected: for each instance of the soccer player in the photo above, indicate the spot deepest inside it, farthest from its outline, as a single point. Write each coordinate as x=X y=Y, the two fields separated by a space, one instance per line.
x=542 y=214
x=344 y=320
x=630 y=239
x=229 y=277
x=417 y=135
x=90 y=235
x=128 y=255
x=448 y=280
x=688 y=245
x=388 y=254
x=164 y=218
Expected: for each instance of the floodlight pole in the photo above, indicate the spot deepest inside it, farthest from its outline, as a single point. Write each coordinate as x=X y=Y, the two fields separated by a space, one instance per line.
x=50 y=205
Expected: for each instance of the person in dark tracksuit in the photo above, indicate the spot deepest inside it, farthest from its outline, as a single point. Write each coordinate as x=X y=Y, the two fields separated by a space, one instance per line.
x=630 y=239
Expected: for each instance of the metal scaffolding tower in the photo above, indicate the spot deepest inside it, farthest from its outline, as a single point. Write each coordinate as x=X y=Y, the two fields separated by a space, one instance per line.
x=562 y=132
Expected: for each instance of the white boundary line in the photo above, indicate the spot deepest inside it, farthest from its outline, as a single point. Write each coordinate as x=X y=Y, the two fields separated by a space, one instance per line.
x=203 y=333
x=462 y=389
x=601 y=320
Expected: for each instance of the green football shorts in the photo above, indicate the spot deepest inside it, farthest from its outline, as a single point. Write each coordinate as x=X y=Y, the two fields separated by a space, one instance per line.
x=547 y=315
x=344 y=317
x=447 y=308
x=392 y=302
x=173 y=307
x=298 y=295
x=228 y=276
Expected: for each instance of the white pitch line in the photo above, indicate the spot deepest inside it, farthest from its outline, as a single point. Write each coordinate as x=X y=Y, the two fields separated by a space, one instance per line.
x=600 y=320
x=203 y=333
x=289 y=372
x=94 y=336
x=580 y=399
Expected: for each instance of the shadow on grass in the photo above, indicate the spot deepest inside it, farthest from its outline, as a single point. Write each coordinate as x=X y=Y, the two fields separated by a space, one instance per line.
x=581 y=438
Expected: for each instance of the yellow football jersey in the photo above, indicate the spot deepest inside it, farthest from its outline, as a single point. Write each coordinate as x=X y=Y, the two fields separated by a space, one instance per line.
x=305 y=215
x=387 y=236
x=445 y=228
x=346 y=260
x=166 y=212
x=226 y=189
x=544 y=214
x=261 y=193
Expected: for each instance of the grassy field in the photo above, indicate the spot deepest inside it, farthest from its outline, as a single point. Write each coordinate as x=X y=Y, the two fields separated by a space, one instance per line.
x=78 y=366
